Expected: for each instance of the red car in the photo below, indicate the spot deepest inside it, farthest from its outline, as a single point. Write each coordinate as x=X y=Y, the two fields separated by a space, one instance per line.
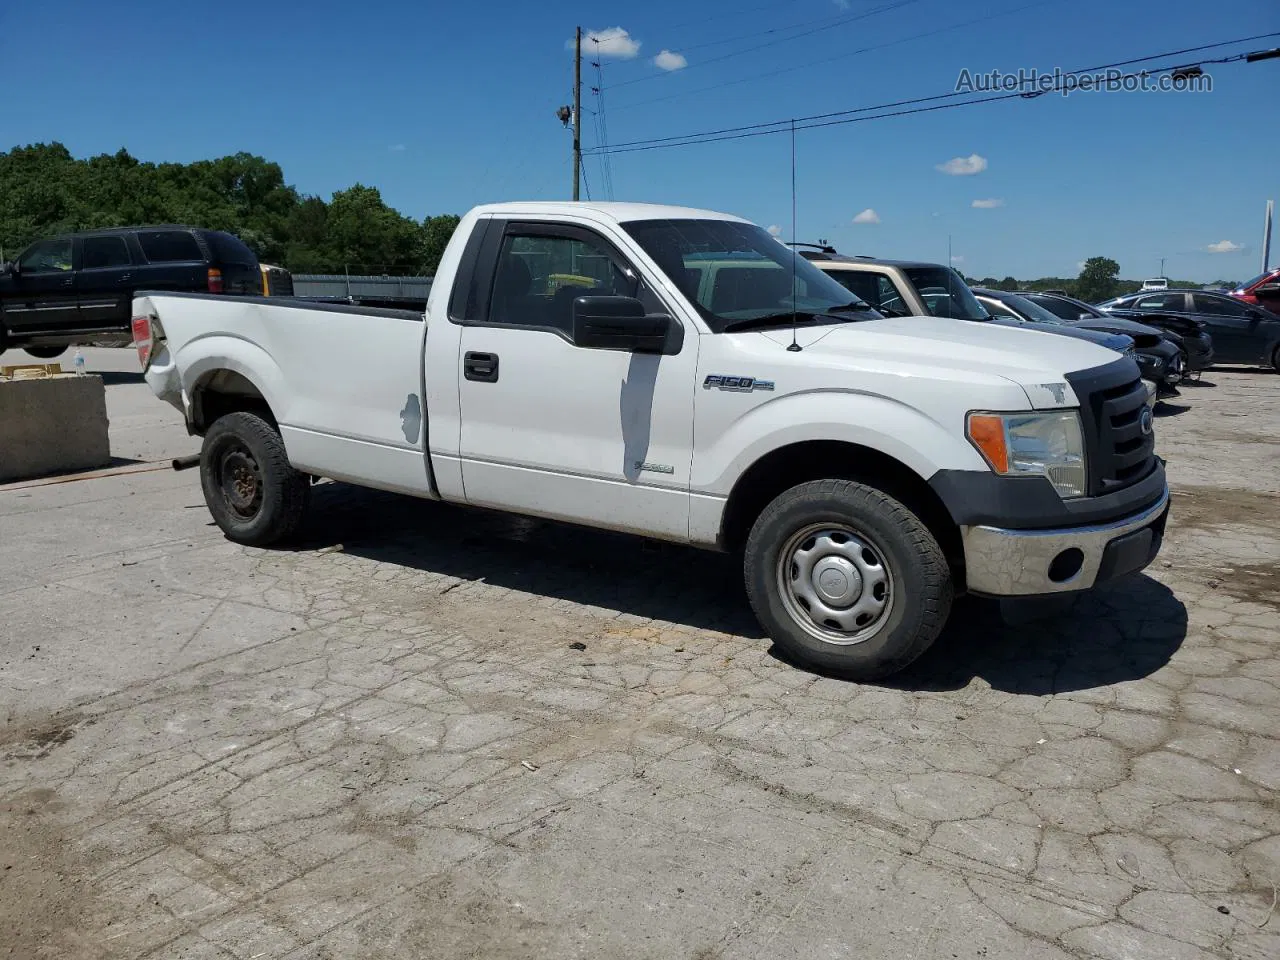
x=1262 y=291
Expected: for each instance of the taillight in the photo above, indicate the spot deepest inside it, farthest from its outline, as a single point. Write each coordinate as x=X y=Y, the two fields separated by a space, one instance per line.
x=215 y=280
x=147 y=334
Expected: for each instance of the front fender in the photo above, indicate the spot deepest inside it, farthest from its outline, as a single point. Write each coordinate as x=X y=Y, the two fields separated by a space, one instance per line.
x=888 y=426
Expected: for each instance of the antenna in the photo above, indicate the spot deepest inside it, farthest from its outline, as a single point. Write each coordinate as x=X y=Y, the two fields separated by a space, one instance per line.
x=795 y=347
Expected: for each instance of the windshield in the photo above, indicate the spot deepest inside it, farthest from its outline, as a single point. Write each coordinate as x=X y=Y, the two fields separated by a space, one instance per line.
x=1031 y=310
x=1066 y=309
x=1258 y=279
x=736 y=273
x=945 y=294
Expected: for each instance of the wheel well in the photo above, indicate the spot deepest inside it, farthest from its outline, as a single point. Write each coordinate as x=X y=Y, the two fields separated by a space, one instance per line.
x=799 y=463
x=222 y=392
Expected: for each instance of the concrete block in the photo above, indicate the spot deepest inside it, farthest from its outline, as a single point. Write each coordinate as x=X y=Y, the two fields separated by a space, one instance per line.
x=52 y=425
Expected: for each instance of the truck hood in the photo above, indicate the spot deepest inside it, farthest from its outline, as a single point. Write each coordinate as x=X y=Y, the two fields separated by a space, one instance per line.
x=948 y=349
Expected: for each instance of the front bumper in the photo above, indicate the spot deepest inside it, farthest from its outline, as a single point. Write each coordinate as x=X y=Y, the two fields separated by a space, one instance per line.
x=1011 y=563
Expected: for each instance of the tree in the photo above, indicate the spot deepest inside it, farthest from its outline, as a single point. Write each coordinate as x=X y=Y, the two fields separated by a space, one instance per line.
x=44 y=190
x=1098 y=279
x=1008 y=283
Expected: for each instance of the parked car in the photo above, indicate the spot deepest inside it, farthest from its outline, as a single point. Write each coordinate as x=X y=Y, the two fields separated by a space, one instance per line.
x=1190 y=353
x=911 y=288
x=1241 y=332
x=1262 y=291
x=901 y=288
x=1156 y=283
x=865 y=468
x=276 y=281
x=76 y=288
x=1160 y=362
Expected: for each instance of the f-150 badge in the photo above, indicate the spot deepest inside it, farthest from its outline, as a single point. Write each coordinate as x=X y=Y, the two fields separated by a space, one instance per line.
x=736 y=384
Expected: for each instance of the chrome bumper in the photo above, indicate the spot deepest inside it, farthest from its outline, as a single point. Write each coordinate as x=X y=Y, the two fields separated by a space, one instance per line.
x=1010 y=563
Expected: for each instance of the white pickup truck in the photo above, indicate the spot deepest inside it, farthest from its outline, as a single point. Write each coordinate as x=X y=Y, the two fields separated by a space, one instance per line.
x=679 y=374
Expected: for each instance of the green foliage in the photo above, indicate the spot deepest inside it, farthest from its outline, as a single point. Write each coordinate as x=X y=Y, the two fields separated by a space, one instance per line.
x=45 y=191
x=1099 y=279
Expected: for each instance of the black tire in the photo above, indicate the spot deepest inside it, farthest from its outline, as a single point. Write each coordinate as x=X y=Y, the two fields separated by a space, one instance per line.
x=1275 y=359
x=917 y=580
x=255 y=496
x=46 y=353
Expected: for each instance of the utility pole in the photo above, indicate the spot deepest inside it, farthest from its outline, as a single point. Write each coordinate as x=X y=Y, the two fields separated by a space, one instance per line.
x=1266 y=237
x=577 y=110
x=1162 y=259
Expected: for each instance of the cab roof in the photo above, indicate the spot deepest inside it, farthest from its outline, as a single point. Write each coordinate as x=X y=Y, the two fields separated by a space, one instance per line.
x=616 y=212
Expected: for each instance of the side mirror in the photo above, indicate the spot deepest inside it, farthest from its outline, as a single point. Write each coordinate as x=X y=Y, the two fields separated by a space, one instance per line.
x=8 y=268
x=620 y=323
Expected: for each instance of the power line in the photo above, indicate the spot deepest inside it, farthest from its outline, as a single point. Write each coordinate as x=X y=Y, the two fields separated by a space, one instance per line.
x=847 y=116
x=826 y=22
x=602 y=125
x=810 y=64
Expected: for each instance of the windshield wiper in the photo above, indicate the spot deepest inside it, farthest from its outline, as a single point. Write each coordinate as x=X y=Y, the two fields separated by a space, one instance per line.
x=779 y=320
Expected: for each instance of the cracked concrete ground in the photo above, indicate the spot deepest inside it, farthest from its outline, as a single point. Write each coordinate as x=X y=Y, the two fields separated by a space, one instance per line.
x=437 y=733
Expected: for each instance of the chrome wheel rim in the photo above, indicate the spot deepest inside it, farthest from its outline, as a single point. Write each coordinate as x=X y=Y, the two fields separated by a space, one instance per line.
x=835 y=583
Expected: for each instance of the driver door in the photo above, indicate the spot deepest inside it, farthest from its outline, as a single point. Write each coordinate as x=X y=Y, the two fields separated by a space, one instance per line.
x=44 y=296
x=597 y=436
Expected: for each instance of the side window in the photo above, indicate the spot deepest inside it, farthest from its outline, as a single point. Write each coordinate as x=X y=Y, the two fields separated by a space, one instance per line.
x=48 y=256
x=539 y=276
x=169 y=246
x=104 y=252
x=890 y=297
x=1162 y=301
x=1219 y=306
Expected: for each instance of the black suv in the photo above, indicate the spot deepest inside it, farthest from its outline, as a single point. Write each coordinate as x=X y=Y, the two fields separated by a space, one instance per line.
x=80 y=288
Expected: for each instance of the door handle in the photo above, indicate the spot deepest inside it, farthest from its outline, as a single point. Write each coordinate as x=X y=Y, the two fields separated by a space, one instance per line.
x=481 y=367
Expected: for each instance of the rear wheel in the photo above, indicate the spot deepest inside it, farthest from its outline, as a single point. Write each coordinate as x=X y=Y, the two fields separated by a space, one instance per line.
x=255 y=496
x=846 y=580
x=46 y=353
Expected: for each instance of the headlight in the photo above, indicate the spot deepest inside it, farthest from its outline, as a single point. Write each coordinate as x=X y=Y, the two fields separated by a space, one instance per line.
x=1048 y=445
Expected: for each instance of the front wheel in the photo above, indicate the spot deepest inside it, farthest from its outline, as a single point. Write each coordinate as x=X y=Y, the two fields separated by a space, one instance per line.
x=846 y=580
x=253 y=492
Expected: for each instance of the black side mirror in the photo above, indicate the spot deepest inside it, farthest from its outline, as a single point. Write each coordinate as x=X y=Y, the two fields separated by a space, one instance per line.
x=620 y=323
x=8 y=268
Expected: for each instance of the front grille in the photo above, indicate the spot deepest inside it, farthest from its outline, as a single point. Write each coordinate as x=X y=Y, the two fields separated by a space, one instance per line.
x=1112 y=404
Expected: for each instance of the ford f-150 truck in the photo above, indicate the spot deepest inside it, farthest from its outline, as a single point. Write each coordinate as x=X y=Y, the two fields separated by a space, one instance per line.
x=679 y=374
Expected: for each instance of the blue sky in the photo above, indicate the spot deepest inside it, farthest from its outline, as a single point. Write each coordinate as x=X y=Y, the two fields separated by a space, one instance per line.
x=445 y=105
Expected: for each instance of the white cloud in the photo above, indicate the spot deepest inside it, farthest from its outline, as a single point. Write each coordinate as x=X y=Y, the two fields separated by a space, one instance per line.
x=988 y=204
x=957 y=259
x=397 y=148
x=964 y=166
x=775 y=230
x=1225 y=246
x=867 y=216
x=667 y=60
x=614 y=42
x=1079 y=264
